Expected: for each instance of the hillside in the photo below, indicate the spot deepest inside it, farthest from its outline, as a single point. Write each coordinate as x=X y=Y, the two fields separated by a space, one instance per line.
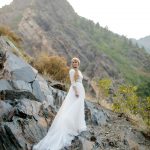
x=53 y=26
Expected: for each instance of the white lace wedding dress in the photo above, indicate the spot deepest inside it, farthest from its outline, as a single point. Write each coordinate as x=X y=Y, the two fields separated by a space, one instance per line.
x=69 y=120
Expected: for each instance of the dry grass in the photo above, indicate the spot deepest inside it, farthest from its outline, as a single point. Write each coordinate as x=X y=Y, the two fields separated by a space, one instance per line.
x=53 y=66
x=15 y=42
x=6 y=31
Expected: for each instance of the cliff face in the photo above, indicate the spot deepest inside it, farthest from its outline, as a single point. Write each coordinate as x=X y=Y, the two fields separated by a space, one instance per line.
x=28 y=105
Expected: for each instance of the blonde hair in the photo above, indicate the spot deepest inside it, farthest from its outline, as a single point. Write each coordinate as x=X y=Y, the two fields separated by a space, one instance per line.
x=76 y=74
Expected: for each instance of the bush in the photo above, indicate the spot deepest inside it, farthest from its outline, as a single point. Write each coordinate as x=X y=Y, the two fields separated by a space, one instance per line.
x=144 y=89
x=145 y=110
x=53 y=66
x=126 y=101
x=104 y=86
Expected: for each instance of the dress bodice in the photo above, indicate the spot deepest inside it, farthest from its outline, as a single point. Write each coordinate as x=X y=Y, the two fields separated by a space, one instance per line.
x=71 y=73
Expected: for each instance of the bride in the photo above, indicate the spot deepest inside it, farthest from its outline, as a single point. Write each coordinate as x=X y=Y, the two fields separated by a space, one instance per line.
x=70 y=119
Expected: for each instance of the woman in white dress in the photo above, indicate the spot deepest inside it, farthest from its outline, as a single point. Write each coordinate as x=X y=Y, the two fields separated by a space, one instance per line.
x=70 y=119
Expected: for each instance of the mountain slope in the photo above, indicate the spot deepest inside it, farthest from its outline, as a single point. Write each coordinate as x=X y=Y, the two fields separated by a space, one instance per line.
x=53 y=26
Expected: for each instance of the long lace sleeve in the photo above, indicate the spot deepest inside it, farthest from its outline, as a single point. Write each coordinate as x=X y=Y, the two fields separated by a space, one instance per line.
x=71 y=73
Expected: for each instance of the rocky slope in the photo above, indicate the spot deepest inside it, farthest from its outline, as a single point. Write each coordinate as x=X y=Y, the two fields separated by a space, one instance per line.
x=53 y=26
x=28 y=105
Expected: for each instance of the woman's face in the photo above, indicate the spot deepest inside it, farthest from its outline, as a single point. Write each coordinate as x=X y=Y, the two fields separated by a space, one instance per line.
x=75 y=64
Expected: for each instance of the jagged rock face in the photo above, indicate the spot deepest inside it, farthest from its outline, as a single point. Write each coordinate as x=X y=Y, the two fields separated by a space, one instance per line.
x=27 y=110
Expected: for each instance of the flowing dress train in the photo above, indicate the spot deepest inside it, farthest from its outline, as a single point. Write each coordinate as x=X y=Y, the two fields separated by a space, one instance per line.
x=69 y=120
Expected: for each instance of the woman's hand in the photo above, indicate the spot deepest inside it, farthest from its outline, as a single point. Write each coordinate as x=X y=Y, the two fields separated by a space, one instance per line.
x=76 y=91
x=77 y=94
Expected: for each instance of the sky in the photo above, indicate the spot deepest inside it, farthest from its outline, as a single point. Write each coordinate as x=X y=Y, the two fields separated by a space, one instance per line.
x=130 y=18
x=4 y=2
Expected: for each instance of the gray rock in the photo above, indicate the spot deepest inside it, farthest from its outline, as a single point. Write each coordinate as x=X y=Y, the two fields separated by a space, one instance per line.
x=47 y=92
x=43 y=85
x=97 y=115
x=21 y=85
x=19 y=134
x=5 y=108
x=59 y=97
x=28 y=107
x=5 y=85
x=24 y=73
x=37 y=91
x=13 y=62
x=29 y=125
